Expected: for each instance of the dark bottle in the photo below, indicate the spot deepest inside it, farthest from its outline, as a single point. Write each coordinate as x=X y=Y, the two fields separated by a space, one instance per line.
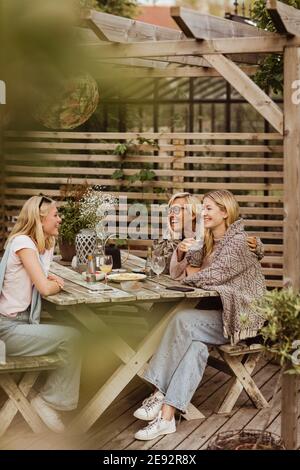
x=115 y=252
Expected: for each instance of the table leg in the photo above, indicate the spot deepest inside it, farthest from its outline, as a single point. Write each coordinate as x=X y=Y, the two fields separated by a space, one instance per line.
x=125 y=373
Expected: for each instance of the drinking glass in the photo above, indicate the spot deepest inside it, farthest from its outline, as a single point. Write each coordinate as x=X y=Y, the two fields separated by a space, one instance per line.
x=106 y=264
x=158 y=264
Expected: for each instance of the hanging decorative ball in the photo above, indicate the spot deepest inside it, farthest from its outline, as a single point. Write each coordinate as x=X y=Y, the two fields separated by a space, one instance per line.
x=74 y=104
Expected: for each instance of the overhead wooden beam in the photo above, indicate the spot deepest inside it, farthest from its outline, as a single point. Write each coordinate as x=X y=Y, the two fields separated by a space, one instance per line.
x=203 y=26
x=191 y=47
x=111 y=28
x=90 y=38
x=286 y=18
x=134 y=63
x=167 y=72
x=248 y=89
x=118 y=29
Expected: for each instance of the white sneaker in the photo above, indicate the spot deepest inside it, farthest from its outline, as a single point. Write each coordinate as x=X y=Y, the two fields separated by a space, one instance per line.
x=157 y=427
x=48 y=415
x=150 y=408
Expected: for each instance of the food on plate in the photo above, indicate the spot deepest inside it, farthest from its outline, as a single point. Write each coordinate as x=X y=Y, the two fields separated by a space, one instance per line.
x=126 y=277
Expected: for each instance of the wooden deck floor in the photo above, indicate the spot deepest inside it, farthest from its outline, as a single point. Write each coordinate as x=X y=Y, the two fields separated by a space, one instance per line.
x=116 y=428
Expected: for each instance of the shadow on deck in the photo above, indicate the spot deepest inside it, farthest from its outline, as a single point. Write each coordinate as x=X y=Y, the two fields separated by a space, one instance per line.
x=115 y=429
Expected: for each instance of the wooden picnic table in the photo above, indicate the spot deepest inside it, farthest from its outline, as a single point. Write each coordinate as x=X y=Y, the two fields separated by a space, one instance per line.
x=81 y=302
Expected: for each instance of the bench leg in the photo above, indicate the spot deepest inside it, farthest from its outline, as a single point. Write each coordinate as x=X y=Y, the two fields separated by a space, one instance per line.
x=9 y=409
x=192 y=413
x=235 y=387
x=242 y=381
x=20 y=403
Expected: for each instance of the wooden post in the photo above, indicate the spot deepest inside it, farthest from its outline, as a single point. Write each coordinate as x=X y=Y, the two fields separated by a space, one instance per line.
x=291 y=243
x=178 y=164
x=2 y=181
x=289 y=410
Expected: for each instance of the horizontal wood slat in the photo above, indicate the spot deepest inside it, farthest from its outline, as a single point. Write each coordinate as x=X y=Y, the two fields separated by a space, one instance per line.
x=93 y=158
x=128 y=172
x=162 y=147
x=147 y=135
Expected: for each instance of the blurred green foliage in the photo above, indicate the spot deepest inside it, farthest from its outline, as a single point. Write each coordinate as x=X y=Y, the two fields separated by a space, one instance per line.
x=270 y=74
x=127 y=8
x=42 y=50
x=281 y=309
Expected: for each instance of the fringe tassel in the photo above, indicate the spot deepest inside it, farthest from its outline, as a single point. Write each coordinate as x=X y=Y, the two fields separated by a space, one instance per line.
x=243 y=334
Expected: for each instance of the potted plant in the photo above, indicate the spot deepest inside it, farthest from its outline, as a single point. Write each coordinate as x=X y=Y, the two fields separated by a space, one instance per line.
x=281 y=334
x=72 y=221
x=71 y=224
x=97 y=211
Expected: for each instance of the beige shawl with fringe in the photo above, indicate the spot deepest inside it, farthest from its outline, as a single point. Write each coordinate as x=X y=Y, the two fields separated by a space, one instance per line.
x=235 y=273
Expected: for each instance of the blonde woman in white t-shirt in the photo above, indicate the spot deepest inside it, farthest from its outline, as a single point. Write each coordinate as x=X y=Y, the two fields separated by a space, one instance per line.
x=24 y=278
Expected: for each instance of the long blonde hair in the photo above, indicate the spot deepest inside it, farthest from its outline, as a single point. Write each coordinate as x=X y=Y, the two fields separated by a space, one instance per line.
x=29 y=222
x=226 y=201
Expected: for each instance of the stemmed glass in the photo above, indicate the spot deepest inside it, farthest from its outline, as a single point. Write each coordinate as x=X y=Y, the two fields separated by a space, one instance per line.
x=106 y=264
x=158 y=264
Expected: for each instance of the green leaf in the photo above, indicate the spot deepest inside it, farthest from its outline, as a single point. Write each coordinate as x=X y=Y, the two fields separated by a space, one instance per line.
x=118 y=175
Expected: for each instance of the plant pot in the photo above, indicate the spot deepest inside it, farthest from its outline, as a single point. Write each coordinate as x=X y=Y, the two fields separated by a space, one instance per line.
x=246 y=440
x=67 y=250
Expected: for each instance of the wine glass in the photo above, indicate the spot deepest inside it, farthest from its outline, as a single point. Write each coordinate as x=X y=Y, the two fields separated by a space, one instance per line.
x=106 y=264
x=158 y=264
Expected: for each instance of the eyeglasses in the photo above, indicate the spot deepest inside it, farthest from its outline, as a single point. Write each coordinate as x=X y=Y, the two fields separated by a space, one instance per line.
x=44 y=199
x=175 y=210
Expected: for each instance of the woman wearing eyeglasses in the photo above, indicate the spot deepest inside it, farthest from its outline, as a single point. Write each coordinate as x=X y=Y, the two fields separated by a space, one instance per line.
x=184 y=220
x=183 y=209
x=24 y=278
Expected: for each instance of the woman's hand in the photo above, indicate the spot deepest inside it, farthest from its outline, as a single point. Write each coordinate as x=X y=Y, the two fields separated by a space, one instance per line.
x=252 y=243
x=183 y=247
x=191 y=270
x=59 y=280
x=186 y=244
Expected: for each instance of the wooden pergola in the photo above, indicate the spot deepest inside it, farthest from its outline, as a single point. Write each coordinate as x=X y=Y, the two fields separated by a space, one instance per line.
x=212 y=46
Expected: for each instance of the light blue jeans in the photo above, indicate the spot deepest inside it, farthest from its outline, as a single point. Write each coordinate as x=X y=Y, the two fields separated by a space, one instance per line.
x=178 y=365
x=61 y=389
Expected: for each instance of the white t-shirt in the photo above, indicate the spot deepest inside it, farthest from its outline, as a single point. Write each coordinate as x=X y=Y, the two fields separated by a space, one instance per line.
x=17 y=286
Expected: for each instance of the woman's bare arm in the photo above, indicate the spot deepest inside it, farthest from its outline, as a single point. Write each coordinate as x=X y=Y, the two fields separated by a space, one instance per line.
x=33 y=267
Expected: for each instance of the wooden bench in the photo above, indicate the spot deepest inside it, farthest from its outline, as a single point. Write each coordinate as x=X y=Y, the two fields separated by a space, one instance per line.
x=18 y=392
x=239 y=362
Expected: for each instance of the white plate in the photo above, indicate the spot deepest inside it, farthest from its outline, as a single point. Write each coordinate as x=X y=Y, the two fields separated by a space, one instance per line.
x=119 y=270
x=126 y=277
x=99 y=275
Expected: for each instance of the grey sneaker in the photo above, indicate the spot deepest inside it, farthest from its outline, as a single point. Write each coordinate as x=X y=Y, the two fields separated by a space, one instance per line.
x=48 y=415
x=157 y=427
x=150 y=408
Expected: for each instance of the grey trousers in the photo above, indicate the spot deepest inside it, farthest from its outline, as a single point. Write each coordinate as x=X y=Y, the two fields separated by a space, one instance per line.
x=177 y=367
x=61 y=389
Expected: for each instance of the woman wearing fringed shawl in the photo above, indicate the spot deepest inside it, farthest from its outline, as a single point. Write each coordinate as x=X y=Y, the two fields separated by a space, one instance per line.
x=226 y=265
